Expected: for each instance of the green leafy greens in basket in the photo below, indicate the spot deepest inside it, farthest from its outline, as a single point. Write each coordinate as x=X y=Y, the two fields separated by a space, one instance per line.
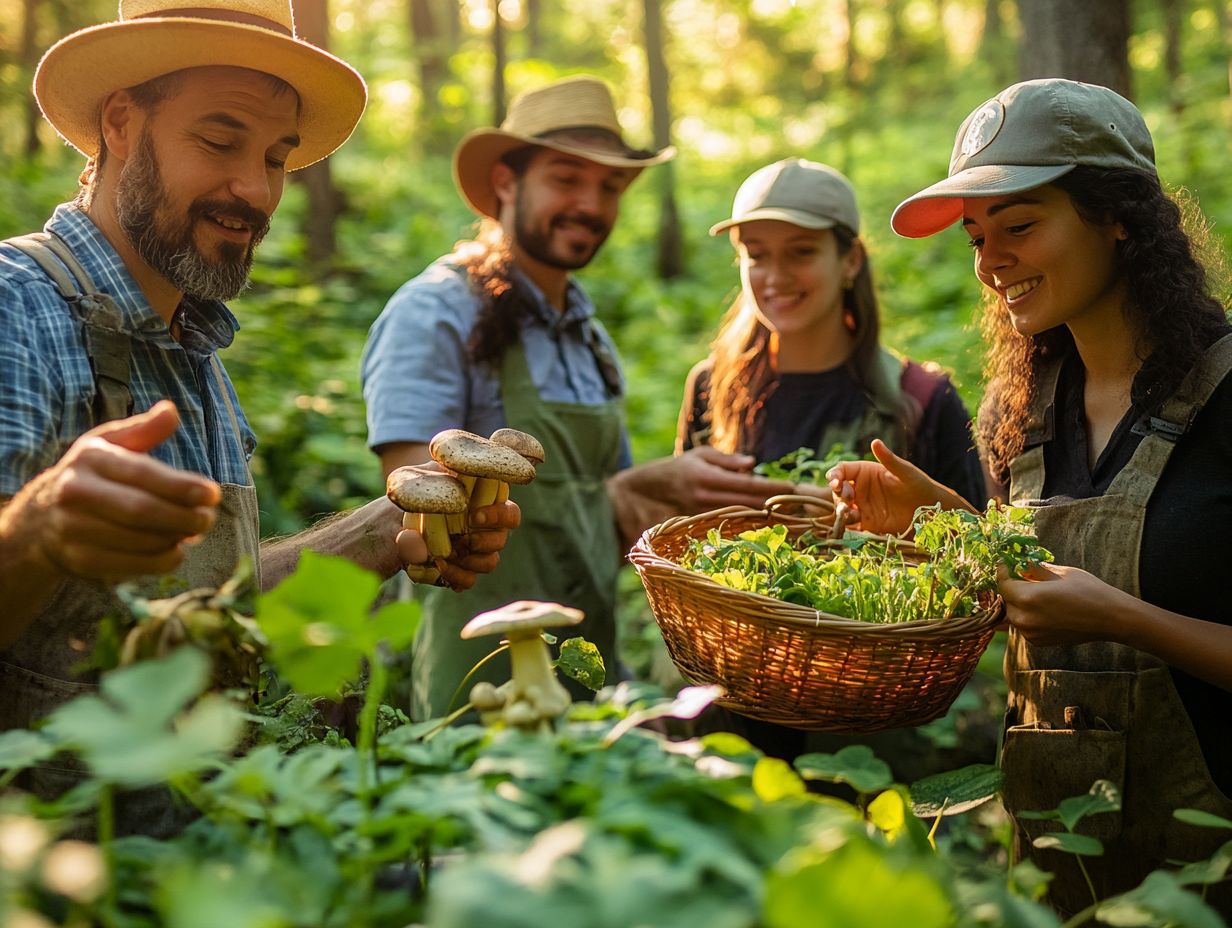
x=800 y=466
x=949 y=569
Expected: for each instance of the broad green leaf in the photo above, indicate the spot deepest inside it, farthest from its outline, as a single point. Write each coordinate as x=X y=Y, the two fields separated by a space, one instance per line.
x=581 y=660
x=1070 y=843
x=126 y=734
x=319 y=625
x=1202 y=819
x=1208 y=871
x=20 y=749
x=855 y=765
x=858 y=885
x=1102 y=797
x=773 y=779
x=1160 y=900
x=216 y=894
x=955 y=791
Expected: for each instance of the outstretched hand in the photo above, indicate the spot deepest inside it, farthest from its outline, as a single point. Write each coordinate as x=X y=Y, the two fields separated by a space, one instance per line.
x=109 y=511
x=884 y=494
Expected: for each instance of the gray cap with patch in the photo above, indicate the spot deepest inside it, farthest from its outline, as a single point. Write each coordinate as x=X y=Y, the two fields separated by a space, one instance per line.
x=1027 y=136
x=804 y=193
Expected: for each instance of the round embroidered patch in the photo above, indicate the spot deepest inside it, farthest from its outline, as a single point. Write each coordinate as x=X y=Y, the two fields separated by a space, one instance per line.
x=983 y=128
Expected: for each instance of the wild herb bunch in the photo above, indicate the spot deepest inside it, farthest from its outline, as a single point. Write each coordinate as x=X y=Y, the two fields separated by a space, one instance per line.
x=949 y=570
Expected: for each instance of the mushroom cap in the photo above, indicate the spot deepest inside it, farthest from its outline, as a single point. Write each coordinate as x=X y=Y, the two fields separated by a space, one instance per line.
x=524 y=444
x=470 y=454
x=526 y=615
x=413 y=489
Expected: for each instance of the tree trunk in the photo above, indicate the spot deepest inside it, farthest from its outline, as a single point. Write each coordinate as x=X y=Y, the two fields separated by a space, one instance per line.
x=428 y=47
x=1173 y=19
x=29 y=61
x=670 y=258
x=325 y=202
x=1083 y=41
x=851 y=57
x=534 y=32
x=995 y=47
x=498 y=65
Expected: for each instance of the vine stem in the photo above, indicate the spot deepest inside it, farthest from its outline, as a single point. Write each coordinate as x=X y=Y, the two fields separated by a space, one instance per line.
x=474 y=670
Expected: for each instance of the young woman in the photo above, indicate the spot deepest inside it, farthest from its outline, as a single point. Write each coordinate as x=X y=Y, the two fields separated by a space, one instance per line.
x=1107 y=407
x=797 y=363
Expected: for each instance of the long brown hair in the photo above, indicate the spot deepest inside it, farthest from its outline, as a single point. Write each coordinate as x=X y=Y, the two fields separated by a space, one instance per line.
x=741 y=375
x=1164 y=263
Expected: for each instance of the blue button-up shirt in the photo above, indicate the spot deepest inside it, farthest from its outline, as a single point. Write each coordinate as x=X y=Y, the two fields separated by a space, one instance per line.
x=418 y=377
x=47 y=387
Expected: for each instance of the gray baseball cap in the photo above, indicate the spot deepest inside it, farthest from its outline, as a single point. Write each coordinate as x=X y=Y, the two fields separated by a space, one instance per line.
x=1027 y=136
x=804 y=193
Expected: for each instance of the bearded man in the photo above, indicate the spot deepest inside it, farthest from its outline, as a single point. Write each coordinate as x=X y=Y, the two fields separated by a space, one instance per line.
x=499 y=333
x=123 y=448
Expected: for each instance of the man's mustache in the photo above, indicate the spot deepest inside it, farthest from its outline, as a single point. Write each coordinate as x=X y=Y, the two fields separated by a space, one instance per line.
x=255 y=219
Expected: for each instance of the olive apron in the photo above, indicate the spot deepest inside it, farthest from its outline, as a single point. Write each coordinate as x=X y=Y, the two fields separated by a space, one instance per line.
x=1079 y=713
x=566 y=549
x=38 y=671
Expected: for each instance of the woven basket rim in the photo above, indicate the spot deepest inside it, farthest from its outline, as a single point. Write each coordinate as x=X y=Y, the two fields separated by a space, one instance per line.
x=644 y=557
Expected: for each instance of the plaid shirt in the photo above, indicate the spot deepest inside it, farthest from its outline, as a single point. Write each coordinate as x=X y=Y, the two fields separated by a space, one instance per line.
x=47 y=386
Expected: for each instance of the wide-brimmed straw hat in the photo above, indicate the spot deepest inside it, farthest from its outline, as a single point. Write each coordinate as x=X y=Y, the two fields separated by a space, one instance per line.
x=805 y=193
x=562 y=116
x=156 y=37
x=1027 y=136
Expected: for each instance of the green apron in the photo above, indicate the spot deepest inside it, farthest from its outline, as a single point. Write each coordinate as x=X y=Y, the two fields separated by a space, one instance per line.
x=565 y=551
x=1079 y=713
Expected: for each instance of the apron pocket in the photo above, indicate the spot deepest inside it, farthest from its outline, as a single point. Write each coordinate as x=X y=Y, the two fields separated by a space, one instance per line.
x=1044 y=766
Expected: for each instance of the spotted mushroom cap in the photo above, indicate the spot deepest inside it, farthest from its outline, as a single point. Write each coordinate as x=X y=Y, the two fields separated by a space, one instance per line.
x=413 y=489
x=475 y=456
x=527 y=616
x=526 y=445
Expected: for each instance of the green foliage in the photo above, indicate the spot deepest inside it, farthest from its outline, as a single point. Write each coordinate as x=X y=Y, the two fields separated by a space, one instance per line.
x=956 y=791
x=854 y=765
x=580 y=660
x=132 y=740
x=875 y=579
x=319 y=625
x=800 y=466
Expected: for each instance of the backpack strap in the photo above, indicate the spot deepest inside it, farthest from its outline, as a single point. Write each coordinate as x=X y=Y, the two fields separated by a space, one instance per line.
x=921 y=381
x=107 y=345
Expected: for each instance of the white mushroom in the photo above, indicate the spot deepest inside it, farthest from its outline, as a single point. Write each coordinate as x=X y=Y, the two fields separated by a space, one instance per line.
x=534 y=682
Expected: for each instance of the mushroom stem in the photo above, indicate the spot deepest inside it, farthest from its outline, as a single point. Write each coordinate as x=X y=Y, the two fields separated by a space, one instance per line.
x=435 y=534
x=485 y=492
x=532 y=668
x=502 y=492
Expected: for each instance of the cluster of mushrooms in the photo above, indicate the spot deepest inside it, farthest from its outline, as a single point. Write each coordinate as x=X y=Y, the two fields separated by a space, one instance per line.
x=475 y=472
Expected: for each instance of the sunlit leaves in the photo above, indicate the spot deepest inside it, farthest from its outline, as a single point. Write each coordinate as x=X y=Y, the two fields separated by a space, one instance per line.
x=137 y=730
x=956 y=791
x=320 y=627
x=855 y=765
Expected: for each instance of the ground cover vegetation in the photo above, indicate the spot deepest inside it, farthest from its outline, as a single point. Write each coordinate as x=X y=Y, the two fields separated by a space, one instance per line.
x=465 y=826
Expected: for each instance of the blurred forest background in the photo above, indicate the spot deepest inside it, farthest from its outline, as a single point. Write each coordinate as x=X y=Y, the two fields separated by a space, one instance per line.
x=875 y=87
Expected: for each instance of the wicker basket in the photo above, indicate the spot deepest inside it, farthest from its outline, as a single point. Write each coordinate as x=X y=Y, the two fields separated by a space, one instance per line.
x=791 y=664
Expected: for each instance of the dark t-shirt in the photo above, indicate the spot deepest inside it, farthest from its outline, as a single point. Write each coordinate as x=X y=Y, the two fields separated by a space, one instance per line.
x=802 y=406
x=1185 y=550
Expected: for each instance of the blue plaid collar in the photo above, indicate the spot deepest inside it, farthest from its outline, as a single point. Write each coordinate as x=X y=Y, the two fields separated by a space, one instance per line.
x=207 y=325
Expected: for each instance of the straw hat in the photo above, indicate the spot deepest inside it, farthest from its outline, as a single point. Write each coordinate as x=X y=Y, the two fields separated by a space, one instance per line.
x=560 y=116
x=156 y=37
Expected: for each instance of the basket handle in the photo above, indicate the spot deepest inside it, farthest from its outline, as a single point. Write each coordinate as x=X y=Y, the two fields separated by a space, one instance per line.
x=786 y=503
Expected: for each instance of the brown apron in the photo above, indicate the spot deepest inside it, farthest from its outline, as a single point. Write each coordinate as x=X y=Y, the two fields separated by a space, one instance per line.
x=38 y=671
x=1080 y=713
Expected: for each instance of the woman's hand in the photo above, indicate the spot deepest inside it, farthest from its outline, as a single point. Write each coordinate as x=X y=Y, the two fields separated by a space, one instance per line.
x=1058 y=605
x=884 y=494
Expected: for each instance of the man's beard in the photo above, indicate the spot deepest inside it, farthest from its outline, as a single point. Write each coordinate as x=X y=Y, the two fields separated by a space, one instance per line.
x=144 y=212
x=538 y=244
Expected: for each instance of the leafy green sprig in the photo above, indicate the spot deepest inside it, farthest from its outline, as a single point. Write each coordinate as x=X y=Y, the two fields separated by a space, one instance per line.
x=947 y=573
x=800 y=466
